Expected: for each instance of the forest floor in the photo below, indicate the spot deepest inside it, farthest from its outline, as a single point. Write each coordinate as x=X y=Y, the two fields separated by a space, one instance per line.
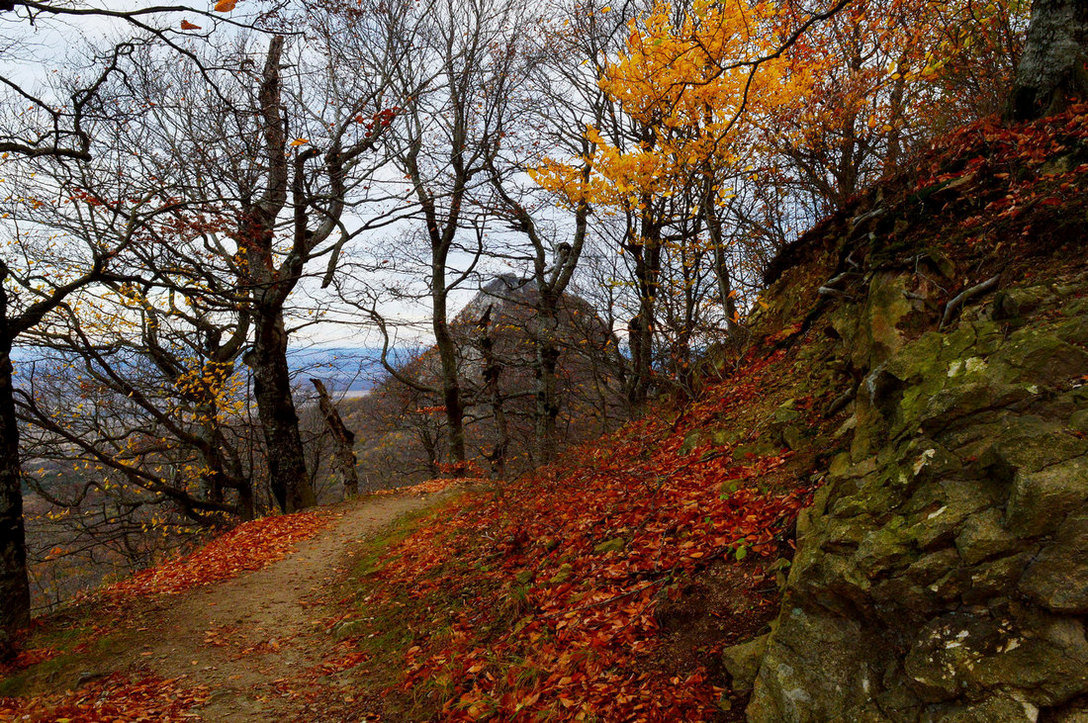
x=256 y=647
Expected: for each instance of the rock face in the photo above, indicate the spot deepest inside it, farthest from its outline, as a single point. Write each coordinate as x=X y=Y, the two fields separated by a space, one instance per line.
x=942 y=572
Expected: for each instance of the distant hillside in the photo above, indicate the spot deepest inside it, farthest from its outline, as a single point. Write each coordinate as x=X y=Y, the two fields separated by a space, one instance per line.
x=402 y=429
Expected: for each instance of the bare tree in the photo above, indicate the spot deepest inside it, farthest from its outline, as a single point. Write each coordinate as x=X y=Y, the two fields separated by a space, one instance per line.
x=343 y=439
x=465 y=55
x=56 y=128
x=37 y=277
x=281 y=158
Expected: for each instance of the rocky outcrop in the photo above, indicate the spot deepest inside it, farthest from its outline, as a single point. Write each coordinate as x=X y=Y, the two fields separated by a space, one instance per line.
x=942 y=571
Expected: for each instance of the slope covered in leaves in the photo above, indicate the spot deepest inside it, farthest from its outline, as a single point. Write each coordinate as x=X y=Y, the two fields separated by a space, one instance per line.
x=570 y=591
x=249 y=546
x=604 y=587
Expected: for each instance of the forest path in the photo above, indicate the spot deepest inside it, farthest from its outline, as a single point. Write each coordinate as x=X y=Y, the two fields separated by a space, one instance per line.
x=256 y=641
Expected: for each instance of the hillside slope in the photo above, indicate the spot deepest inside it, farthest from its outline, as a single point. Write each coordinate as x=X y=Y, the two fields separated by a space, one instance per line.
x=915 y=384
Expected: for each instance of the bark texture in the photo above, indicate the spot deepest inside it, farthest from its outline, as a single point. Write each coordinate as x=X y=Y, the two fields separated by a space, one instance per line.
x=276 y=409
x=492 y=372
x=14 y=583
x=1051 y=74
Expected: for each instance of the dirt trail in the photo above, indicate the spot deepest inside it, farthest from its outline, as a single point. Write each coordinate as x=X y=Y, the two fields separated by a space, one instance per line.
x=245 y=638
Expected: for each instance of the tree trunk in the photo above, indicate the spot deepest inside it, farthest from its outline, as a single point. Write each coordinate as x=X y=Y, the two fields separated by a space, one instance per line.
x=246 y=507
x=721 y=259
x=343 y=440
x=1052 y=72
x=276 y=409
x=430 y=448
x=447 y=353
x=14 y=581
x=222 y=471
x=214 y=477
x=647 y=254
x=491 y=373
x=547 y=364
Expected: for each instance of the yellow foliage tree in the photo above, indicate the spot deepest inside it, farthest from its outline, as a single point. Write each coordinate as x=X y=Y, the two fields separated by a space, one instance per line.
x=694 y=86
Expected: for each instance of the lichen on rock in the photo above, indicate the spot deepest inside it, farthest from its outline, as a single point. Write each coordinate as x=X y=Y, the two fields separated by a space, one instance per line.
x=941 y=573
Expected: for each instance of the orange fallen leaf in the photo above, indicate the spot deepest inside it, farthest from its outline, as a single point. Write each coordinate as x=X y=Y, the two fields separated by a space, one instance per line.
x=186 y=25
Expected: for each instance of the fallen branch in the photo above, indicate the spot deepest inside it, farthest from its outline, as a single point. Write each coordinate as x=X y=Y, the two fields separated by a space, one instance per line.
x=840 y=402
x=828 y=291
x=954 y=305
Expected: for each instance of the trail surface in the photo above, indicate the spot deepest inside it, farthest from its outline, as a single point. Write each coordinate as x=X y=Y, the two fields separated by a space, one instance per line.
x=250 y=639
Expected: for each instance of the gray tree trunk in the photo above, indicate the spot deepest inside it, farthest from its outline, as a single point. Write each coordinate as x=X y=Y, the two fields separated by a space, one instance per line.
x=546 y=371
x=447 y=354
x=492 y=372
x=276 y=409
x=1052 y=73
x=342 y=437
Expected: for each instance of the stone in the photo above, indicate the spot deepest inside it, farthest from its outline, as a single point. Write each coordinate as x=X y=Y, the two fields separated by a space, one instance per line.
x=888 y=306
x=983 y=535
x=994 y=578
x=1016 y=302
x=1028 y=443
x=834 y=678
x=993 y=708
x=614 y=545
x=941 y=573
x=793 y=437
x=1074 y=712
x=742 y=663
x=562 y=574
x=1041 y=500
x=1057 y=577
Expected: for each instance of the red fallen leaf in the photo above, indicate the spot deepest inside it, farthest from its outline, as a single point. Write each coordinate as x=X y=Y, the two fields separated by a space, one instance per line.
x=634 y=486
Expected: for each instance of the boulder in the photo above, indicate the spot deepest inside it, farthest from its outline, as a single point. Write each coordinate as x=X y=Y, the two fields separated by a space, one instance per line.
x=942 y=571
x=742 y=663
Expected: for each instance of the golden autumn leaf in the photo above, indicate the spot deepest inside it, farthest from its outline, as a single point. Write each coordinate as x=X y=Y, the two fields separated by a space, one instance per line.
x=225 y=6
x=299 y=142
x=186 y=25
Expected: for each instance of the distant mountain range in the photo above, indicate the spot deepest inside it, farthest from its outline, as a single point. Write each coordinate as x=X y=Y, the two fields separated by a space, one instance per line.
x=351 y=370
x=343 y=369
